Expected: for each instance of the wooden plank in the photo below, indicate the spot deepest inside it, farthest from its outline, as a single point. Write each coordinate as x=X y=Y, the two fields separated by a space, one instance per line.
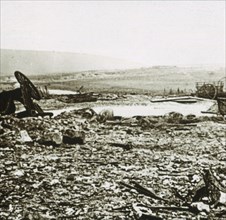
x=178 y=98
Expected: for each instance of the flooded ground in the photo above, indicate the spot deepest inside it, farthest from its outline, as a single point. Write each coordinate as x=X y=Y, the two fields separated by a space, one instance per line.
x=141 y=107
x=61 y=92
x=148 y=109
x=157 y=109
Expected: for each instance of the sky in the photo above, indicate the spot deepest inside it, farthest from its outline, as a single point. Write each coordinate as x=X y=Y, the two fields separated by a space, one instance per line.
x=148 y=32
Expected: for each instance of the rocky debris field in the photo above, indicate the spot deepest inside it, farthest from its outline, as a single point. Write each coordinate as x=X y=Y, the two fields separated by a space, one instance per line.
x=75 y=166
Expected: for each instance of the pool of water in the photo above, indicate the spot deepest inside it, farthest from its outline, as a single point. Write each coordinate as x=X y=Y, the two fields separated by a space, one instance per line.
x=158 y=108
x=148 y=108
x=61 y=92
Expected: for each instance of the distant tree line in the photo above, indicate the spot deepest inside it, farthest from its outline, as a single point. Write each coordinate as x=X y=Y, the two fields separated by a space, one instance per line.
x=177 y=91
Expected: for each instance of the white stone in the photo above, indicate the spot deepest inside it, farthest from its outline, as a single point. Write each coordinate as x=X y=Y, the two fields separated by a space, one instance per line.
x=19 y=173
x=24 y=136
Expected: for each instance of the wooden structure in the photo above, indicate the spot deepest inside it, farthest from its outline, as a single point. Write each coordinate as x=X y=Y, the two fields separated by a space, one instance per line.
x=209 y=90
x=25 y=94
x=221 y=101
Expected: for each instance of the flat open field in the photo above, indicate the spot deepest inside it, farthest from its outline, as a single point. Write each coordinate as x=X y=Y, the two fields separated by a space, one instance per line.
x=153 y=80
x=146 y=80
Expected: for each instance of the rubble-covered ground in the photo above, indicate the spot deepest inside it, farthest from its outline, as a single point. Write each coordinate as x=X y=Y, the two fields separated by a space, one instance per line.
x=42 y=176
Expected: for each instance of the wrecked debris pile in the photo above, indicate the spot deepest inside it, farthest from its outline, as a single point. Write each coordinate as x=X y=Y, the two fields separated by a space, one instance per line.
x=25 y=95
x=74 y=166
x=77 y=98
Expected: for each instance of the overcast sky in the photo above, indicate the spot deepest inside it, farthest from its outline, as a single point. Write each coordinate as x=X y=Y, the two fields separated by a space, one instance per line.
x=150 y=32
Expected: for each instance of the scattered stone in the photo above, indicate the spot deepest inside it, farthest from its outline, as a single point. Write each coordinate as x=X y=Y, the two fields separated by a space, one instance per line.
x=83 y=182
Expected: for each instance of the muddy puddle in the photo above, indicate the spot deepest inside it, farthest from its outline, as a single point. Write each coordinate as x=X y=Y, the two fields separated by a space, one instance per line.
x=145 y=108
x=148 y=109
x=157 y=109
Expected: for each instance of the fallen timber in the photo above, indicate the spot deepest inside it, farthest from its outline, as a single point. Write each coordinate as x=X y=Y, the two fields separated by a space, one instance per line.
x=182 y=99
x=209 y=187
x=221 y=102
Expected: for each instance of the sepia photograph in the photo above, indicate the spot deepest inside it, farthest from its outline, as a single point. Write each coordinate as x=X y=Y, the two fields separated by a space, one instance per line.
x=113 y=110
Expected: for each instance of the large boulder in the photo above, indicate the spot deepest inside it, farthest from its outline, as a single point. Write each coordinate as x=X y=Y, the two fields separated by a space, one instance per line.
x=173 y=117
x=105 y=114
x=54 y=138
x=24 y=137
x=71 y=136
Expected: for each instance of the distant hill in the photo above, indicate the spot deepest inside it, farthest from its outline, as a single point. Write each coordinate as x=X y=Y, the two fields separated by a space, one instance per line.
x=39 y=62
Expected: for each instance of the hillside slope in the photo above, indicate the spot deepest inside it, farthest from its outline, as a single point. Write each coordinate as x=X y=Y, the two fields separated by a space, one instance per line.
x=39 y=62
